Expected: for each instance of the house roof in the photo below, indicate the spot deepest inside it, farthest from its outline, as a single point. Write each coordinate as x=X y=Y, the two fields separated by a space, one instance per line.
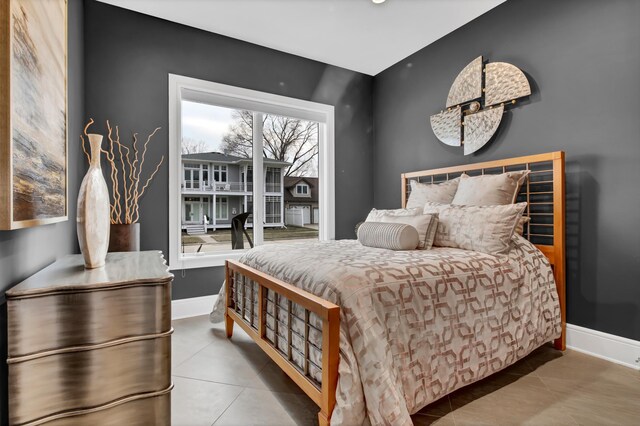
x=219 y=157
x=290 y=183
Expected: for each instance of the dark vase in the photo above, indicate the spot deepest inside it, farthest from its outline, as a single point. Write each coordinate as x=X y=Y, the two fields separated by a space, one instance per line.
x=124 y=237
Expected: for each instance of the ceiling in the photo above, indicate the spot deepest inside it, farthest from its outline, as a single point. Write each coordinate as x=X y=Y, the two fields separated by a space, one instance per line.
x=354 y=34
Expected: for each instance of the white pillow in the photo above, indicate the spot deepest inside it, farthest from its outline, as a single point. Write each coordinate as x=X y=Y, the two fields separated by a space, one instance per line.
x=486 y=229
x=425 y=224
x=489 y=190
x=436 y=193
x=375 y=215
x=390 y=236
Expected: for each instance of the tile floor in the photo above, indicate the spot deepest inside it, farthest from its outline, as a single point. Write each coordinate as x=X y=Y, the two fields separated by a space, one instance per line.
x=224 y=382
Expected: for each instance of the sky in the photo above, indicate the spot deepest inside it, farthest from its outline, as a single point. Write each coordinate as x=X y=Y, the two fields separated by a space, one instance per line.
x=205 y=122
x=209 y=123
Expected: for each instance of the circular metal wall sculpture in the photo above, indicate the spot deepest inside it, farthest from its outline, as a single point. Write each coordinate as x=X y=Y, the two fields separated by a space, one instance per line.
x=475 y=105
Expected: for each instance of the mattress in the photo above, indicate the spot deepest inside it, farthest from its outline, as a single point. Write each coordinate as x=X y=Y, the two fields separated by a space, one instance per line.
x=416 y=325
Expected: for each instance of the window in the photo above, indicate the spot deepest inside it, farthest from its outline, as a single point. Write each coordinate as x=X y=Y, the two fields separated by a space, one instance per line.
x=220 y=173
x=249 y=178
x=254 y=174
x=192 y=176
x=248 y=206
x=205 y=176
x=273 y=211
x=302 y=189
x=222 y=208
x=273 y=179
x=194 y=210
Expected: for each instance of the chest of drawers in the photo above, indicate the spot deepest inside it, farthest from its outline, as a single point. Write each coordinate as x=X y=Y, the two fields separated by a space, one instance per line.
x=92 y=346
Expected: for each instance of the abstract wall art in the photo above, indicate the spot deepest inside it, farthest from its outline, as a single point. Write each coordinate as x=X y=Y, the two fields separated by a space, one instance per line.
x=478 y=97
x=33 y=112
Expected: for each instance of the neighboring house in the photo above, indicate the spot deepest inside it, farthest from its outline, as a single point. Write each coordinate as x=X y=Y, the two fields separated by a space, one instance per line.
x=302 y=193
x=220 y=187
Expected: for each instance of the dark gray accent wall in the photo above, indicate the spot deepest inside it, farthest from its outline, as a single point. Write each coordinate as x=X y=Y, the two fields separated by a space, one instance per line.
x=24 y=252
x=583 y=60
x=128 y=58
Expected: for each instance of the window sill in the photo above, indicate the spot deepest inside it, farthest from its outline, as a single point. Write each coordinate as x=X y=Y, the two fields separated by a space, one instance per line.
x=205 y=260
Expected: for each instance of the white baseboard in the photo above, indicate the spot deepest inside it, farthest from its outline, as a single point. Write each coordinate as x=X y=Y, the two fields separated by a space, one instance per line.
x=193 y=307
x=612 y=348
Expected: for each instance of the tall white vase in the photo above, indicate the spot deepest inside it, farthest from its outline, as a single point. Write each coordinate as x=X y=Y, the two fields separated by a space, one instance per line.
x=93 y=219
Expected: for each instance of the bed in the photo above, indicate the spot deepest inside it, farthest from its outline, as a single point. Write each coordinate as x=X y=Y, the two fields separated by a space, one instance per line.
x=406 y=328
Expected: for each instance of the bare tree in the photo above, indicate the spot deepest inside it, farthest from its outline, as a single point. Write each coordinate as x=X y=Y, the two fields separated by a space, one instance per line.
x=284 y=138
x=193 y=146
x=239 y=139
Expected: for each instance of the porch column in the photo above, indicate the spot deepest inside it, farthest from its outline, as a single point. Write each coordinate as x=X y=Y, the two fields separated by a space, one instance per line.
x=258 y=179
x=281 y=209
x=213 y=210
x=282 y=196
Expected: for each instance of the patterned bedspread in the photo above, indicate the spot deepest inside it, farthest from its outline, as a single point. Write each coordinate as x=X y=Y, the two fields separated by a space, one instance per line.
x=417 y=325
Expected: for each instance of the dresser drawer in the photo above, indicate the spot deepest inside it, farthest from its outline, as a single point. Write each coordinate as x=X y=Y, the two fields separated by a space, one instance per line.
x=154 y=411
x=47 y=322
x=78 y=378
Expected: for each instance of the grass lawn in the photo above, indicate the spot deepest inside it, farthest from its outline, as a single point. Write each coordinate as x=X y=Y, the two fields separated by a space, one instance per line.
x=223 y=236
x=270 y=234
x=191 y=239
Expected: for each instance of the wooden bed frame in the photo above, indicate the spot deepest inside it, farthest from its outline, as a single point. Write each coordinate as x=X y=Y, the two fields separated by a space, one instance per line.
x=247 y=289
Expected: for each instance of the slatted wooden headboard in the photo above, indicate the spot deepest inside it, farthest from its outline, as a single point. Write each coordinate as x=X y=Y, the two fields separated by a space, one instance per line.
x=544 y=191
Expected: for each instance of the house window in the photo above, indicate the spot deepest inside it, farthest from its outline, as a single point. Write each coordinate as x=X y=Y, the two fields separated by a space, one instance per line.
x=220 y=173
x=249 y=178
x=302 y=189
x=248 y=207
x=222 y=208
x=194 y=210
x=192 y=176
x=273 y=178
x=273 y=211
x=205 y=175
x=252 y=122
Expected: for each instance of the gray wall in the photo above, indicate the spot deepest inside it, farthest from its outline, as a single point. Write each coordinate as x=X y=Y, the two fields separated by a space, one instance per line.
x=26 y=251
x=128 y=57
x=583 y=60
x=233 y=173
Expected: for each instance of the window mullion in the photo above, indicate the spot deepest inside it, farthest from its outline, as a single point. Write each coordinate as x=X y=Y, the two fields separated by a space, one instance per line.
x=258 y=180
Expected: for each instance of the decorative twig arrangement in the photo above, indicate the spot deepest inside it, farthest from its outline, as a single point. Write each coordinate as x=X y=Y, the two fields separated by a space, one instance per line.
x=128 y=162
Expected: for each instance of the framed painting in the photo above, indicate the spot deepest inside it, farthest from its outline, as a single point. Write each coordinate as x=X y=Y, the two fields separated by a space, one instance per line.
x=33 y=113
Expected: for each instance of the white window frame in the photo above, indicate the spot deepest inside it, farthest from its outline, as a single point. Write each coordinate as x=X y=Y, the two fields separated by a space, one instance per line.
x=275 y=199
x=204 y=207
x=221 y=168
x=192 y=89
x=205 y=182
x=279 y=183
x=302 y=185
x=191 y=169
x=219 y=203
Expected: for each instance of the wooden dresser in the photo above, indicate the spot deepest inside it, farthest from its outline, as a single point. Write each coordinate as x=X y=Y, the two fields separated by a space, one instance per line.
x=92 y=347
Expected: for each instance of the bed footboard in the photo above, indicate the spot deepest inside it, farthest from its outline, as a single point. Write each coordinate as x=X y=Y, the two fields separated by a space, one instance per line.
x=298 y=330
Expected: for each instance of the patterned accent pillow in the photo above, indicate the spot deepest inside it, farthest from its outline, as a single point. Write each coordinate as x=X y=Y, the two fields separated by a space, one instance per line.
x=390 y=236
x=489 y=190
x=521 y=224
x=436 y=193
x=375 y=215
x=486 y=229
x=425 y=224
